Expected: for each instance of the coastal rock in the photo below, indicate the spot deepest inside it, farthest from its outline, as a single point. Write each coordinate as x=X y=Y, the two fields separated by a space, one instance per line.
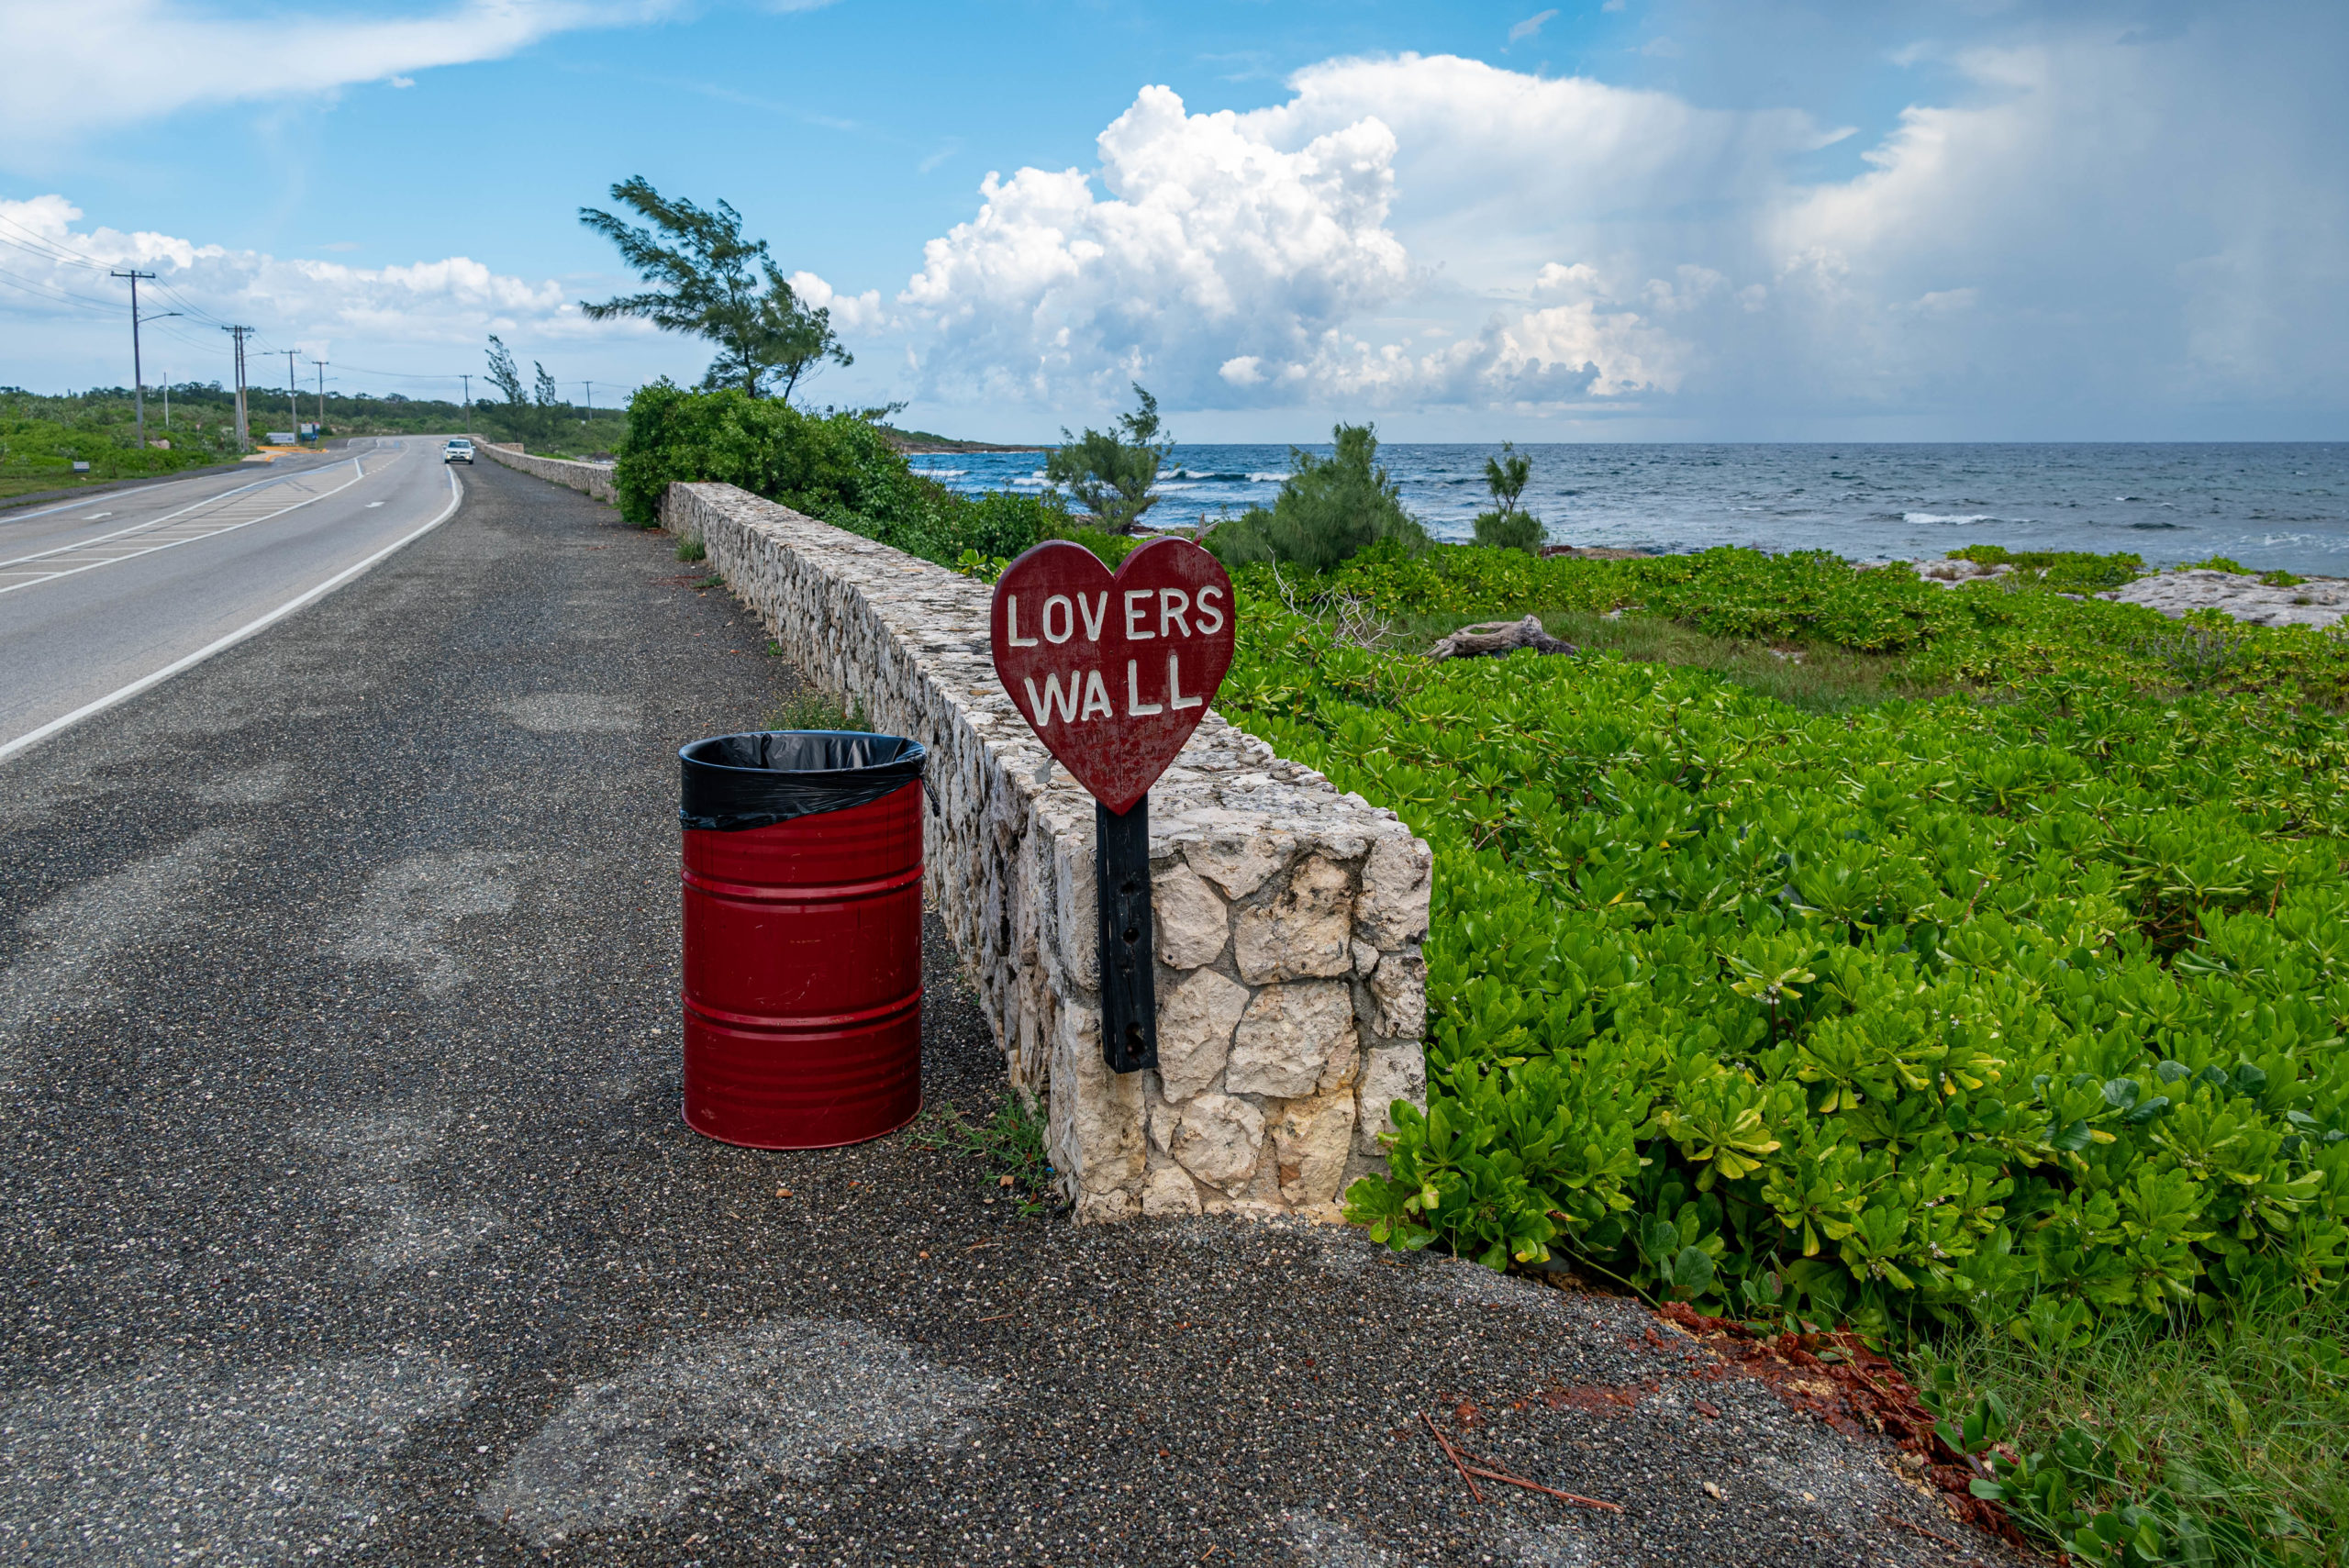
x=2319 y=601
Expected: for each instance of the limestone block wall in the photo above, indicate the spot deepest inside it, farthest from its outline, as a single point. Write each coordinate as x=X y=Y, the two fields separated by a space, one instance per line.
x=595 y=478
x=1291 y=990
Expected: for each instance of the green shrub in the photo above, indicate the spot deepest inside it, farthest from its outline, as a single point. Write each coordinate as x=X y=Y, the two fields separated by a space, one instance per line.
x=1329 y=510
x=2008 y=1018
x=1926 y=1011
x=1510 y=530
x=2216 y=563
x=837 y=468
x=2066 y=571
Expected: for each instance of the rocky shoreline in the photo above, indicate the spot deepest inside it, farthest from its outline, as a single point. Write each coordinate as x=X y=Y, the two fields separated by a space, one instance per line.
x=2312 y=601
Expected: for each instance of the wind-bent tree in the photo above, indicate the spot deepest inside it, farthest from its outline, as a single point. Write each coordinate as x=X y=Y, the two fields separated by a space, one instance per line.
x=1110 y=472
x=711 y=282
x=504 y=376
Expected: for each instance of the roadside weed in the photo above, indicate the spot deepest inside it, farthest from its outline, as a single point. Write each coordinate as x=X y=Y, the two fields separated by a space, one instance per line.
x=812 y=709
x=1008 y=1146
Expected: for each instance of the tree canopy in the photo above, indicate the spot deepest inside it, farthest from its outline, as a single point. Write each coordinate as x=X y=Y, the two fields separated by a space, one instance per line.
x=1110 y=472
x=709 y=281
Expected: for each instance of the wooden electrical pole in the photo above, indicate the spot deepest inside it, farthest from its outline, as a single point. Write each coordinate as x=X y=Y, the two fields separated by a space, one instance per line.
x=137 y=375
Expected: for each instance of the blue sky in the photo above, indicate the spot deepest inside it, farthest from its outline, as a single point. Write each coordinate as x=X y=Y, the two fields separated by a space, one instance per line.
x=1638 y=219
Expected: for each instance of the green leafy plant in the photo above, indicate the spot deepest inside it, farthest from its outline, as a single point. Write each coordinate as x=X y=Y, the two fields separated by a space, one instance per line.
x=2013 y=1012
x=837 y=468
x=1009 y=1146
x=691 y=548
x=812 y=709
x=1506 y=527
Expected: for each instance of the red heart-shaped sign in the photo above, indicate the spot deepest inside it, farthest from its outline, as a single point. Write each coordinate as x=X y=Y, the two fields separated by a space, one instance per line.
x=1113 y=670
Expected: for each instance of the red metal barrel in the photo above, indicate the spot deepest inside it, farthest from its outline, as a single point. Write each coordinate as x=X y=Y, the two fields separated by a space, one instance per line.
x=803 y=954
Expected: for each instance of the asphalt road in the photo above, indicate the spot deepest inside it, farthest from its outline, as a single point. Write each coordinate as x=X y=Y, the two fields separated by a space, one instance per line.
x=100 y=593
x=346 y=1214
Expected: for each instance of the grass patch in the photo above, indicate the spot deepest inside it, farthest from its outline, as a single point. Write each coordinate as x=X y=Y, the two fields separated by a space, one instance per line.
x=692 y=549
x=1811 y=677
x=2225 y=1434
x=822 y=710
x=1009 y=1146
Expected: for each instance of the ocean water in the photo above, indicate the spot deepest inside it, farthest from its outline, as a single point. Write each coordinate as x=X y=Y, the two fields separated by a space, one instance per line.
x=2265 y=504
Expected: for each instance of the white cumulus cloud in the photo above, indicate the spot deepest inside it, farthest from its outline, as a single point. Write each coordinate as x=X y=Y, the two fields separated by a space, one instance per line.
x=2076 y=220
x=66 y=69
x=1211 y=245
x=57 y=282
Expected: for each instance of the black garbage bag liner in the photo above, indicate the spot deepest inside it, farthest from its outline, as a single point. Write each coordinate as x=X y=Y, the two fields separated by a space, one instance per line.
x=737 y=782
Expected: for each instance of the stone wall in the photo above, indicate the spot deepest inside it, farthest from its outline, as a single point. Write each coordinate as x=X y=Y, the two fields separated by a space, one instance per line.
x=595 y=478
x=1291 y=989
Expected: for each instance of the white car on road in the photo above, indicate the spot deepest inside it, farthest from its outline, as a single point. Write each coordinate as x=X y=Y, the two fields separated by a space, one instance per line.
x=458 y=450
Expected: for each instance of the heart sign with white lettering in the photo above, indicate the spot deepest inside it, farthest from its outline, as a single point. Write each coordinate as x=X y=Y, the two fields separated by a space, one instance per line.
x=1114 y=670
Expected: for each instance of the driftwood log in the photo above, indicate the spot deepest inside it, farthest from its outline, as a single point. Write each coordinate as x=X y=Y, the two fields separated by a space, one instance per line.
x=1493 y=638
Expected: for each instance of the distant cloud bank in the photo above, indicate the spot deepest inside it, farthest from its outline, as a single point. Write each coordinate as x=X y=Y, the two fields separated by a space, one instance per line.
x=2085 y=226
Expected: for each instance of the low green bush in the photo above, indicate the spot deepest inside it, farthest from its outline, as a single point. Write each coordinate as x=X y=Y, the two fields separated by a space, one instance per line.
x=1510 y=530
x=2066 y=571
x=837 y=468
x=1330 y=509
x=2014 y=1012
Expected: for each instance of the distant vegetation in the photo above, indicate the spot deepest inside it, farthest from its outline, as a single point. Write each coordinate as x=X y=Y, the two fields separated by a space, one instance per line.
x=838 y=467
x=42 y=438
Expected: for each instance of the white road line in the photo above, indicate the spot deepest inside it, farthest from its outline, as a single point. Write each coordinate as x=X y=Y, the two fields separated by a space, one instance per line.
x=23 y=565
x=129 y=491
x=26 y=741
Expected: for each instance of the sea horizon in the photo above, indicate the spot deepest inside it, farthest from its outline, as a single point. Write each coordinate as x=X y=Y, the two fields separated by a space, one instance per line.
x=2269 y=504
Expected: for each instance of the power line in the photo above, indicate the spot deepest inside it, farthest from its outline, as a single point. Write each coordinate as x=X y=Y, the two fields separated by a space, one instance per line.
x=51 y=249
x=62 y=296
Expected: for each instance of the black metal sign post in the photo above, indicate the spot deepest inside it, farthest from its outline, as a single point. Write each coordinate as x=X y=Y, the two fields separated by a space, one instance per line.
x=1128 y=986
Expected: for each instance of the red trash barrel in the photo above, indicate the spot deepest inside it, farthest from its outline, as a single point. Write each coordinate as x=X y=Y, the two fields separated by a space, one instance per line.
x=803 y=937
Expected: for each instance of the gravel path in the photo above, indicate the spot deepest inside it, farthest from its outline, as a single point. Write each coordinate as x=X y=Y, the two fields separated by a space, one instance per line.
x=347 y=1216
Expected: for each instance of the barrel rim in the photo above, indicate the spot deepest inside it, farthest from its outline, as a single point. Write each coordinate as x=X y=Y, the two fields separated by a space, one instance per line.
x=911 y=751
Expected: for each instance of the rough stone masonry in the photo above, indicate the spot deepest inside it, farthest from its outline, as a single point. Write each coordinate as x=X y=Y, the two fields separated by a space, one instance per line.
x=1292 y=994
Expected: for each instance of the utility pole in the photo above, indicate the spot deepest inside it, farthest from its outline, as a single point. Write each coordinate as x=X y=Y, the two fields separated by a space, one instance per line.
x=244 y=435
x=469 y=401
x=591 y=401
x=292 y=402
x=322 y=400
x=167 y=401
x=139 y=392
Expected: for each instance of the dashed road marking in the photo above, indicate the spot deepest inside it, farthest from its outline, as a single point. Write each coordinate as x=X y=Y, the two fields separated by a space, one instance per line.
x=199 y=520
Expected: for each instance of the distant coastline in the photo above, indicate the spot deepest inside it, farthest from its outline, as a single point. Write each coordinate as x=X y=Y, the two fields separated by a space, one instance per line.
x=926 y=442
